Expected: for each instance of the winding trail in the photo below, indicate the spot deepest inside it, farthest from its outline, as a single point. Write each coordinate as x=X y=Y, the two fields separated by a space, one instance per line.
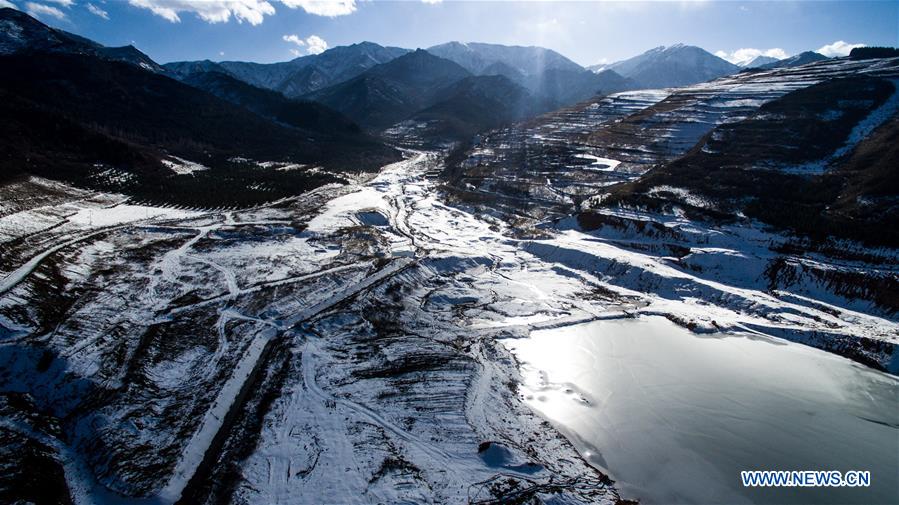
x=310 y=351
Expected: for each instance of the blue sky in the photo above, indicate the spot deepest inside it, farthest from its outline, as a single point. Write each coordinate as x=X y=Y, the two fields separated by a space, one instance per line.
x=587 y=32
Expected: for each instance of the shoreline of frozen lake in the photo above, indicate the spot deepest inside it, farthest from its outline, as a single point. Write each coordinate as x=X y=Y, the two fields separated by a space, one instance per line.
x=674 y=417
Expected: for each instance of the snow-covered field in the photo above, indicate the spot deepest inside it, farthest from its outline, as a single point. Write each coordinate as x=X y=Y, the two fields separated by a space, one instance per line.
x=169 y=317
x=342 y=346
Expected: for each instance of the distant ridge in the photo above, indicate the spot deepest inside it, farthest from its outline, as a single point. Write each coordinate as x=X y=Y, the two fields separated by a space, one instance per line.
x=673 y=66
x=423 y=87
x=758 y=61
x=477 y=57
x=301 y=75
x=544 y=72
x=21 y=33
x=391 y=92
x=795 y=61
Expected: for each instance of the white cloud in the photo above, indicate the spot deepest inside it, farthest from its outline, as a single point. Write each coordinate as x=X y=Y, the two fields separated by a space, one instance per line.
x=7 y=3
x=39 y=10
x=328 y=8
x=746 y=54
x=431 y=1
x=211 y=11
x=293 y=39
x=313 y=43
x=64 y=3
x=691 y=4
x=838 y=48
x=316 y=44
x=98 y=11
x=251 y=11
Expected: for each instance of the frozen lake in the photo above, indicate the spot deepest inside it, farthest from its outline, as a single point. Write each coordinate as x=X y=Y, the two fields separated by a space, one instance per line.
x=674 y=417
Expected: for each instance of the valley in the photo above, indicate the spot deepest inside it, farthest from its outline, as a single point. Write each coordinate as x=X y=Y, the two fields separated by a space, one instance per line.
x=472 y=273
x=366 y=320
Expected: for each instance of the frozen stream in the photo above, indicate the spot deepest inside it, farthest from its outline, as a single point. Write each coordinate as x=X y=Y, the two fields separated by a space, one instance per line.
x=674 y=417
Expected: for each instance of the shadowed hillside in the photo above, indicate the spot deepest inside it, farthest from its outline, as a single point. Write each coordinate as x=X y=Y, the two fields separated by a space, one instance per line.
x=107 y=124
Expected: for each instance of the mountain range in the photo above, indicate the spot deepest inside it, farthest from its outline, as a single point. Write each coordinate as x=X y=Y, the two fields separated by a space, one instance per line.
x=302 y=75
x=484 y=59
x=115 y=107
x=423 y=87
x=380 y=86
x=111 y=119
x=364 y=82
x=389 y=93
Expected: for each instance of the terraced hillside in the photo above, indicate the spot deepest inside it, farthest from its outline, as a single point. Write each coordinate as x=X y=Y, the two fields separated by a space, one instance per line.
x=763 y=180
x=566 y=157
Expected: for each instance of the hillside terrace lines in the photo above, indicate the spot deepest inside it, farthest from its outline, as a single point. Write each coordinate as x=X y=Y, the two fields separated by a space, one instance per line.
x=544 y=151
x=200 y=453
x=637 y=129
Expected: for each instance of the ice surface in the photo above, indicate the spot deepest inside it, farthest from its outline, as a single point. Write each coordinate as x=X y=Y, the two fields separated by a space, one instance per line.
x=675 y=417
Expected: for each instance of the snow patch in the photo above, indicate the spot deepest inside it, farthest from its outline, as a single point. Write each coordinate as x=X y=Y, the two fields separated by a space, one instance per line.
x=121 y=214
x=183 y=167
x=597 y=163
x=860 y=132
x=684 y=195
